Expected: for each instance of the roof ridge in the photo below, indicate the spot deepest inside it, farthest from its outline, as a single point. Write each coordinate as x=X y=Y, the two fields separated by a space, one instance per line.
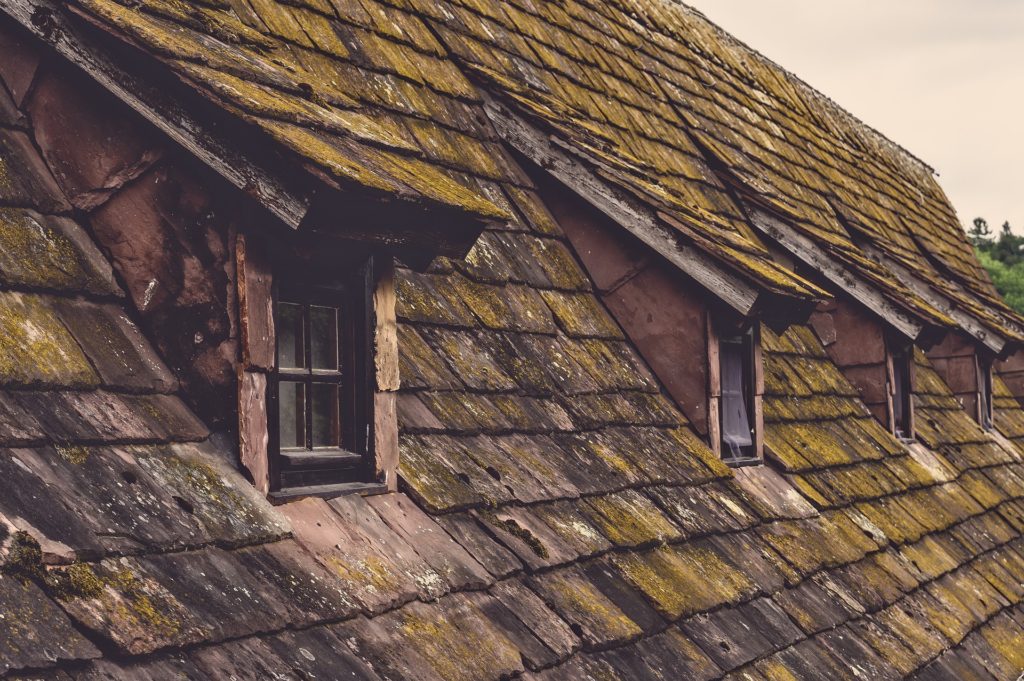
x=809 y=89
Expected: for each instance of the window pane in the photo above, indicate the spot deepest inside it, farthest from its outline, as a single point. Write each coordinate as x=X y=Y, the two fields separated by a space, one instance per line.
x=324 y=336
x=291 y=398
x=901 y=393
x=326 y=426
x=986 y=395
x=290 y=336
x=737 y=435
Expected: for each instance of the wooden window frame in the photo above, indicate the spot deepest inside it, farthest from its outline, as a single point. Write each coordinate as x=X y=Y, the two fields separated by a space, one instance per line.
x=985 y=400
x=895 y=349
x=353 y=461
x=716 y=332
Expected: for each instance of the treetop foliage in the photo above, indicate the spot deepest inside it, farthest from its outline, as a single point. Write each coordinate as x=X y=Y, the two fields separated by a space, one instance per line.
x=1002 y=256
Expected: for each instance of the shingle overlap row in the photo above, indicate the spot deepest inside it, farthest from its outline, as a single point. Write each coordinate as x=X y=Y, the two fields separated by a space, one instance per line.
x=559 y=518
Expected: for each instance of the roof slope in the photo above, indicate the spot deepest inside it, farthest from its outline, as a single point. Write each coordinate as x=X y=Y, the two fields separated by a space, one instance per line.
x=567 y=523
x=858 y=554
x=365 y=94
x=647 y=94
x=654 y=92
x=369 y=93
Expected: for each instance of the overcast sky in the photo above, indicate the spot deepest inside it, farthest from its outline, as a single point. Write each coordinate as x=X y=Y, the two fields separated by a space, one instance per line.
x=943 y=78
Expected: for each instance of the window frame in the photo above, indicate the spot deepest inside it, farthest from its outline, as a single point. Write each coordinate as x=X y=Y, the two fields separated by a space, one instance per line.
x=986 y=408
x=900 y=362
x=353 y=460
x=753 y=389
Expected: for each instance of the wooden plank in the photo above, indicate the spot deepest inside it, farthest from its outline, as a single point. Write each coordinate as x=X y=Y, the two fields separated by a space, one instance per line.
x=759 y=427
x=631 y=214
x=47 y=20
x=714 y=386
x=328 y=491
x=385 y=438
x=811 y=254
x=253 y=438
x=330 y=459
x=386 y=332
x=973 y=326
x=255 y=306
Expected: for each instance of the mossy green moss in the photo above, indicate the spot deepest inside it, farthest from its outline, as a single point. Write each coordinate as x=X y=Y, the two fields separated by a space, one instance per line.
x=77 y=581
x=630 y=519
x=458 y=642
x=487 y=302
x=24 y=557
x=34 y=254
x=581 y=600
x=36 y=348
x=75 y=454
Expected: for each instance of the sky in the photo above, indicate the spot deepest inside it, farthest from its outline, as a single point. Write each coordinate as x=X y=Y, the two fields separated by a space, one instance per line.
x=943 y=78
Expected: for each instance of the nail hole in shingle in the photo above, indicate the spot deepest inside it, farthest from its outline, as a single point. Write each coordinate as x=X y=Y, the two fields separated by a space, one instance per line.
x=463 y=477
x=724 y=646
x=493 y=472
x=129 y=477
x=185 y=505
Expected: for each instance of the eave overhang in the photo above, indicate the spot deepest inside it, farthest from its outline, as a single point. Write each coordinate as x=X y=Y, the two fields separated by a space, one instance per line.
x=297 y=194
x=992 y=340
x=664 y=233
x=914 y=327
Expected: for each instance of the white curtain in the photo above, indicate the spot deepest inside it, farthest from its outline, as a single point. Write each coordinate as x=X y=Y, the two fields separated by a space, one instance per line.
x=736 y=430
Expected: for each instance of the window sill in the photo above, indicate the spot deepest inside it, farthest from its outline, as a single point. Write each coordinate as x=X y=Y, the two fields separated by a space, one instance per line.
x=327 y=491
x=743 y=463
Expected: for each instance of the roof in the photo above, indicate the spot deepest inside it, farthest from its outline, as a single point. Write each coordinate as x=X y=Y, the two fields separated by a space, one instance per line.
x=371 y=100
x=647 y=97
x=559 y=518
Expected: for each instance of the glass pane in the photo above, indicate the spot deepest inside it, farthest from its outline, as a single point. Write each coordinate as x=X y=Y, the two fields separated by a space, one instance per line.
x=291 y=398
x=326 y=426
x=986 y=397
x=324 y=336
x=900 y=388
x=290 y=337
x=737 y=434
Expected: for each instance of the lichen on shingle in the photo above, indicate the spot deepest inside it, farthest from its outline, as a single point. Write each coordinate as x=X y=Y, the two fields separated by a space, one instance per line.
x=36 y=348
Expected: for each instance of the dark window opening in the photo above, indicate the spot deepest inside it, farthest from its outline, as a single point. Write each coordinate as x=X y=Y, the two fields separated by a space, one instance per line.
x=736 y=356
x=985 y=393
x=901 y=397
x=321 y=396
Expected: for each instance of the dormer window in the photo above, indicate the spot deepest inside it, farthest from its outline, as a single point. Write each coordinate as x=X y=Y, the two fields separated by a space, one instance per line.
x=738 y=410
x=985 y=414
x=321 y=392
x=900 y=390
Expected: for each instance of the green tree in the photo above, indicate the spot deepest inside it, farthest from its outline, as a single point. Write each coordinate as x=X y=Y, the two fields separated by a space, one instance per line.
x=1008 y=279
x=980 y=233
x=1003 y=258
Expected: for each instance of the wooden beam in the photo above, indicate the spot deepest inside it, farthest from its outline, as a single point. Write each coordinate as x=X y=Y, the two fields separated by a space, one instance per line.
x=48 y=20
x=808 y=252
x=970 y=324
x=631 y=214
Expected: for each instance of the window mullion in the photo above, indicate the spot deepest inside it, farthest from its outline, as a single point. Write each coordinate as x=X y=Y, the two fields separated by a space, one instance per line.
x=308 y=364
